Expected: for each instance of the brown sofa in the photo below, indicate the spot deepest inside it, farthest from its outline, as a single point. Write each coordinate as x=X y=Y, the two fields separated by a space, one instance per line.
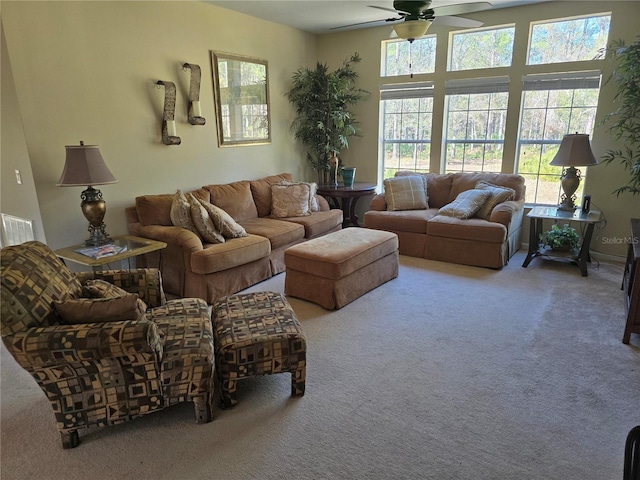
x=191 y=268
x=473 y=241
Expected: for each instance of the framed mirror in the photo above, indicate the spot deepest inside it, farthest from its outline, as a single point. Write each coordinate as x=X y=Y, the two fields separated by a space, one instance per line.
x=241 y=94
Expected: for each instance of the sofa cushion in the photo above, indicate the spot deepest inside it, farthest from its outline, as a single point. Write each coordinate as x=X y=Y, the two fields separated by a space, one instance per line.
x=414 y=221
x=405 y=193
x=466 y=204
x=232 y=253
x=98 y=309
x=472 y=229
x=438 y=187
x=319 y=223
x=235 y=199
x=468 y=180
x=279 y=232
x=290 y=200
x=498 y=195
x=204 y=222
x=261 y=191
x=223 y=222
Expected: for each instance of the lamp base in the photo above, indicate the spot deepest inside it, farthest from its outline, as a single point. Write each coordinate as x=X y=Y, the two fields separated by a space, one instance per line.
x=570 y=182
x=94 y=208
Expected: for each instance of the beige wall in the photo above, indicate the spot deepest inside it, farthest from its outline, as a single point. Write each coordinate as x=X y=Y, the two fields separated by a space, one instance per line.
x=87 y=71
x=601 y=181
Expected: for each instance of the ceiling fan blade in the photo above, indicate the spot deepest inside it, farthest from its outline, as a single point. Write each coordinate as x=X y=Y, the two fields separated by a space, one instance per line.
x=367 y=23
x=457 y=21
x=462 y=8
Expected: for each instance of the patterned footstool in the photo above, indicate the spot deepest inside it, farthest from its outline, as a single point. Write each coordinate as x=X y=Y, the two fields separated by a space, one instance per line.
x=257 y=334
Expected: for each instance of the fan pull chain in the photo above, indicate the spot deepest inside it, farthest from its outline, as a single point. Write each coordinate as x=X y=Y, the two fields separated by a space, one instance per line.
x=410 y=61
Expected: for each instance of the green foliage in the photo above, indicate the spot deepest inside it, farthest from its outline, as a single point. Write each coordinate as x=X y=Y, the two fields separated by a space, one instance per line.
x=322 y=100
x=626 y=118
x=561 y=238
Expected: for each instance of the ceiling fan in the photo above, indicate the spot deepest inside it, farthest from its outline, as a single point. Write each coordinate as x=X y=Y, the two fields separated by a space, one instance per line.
x=415 y=16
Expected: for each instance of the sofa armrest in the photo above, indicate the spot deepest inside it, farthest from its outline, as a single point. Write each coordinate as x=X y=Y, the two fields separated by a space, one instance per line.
x=323 y=205
x=378 y=203
x=178 y=236
x=146 y=282
x=506 y=213
x=41 y=347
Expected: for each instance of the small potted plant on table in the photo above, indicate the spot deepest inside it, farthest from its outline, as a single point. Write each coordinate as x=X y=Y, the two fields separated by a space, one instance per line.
x=561 y=239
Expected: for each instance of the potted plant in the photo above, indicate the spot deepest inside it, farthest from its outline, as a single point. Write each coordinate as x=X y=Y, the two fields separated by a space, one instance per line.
x=626 y=118
x=564 y=239
x=323 y=122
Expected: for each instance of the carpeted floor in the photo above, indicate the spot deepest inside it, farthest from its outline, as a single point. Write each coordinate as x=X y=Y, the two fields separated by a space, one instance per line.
x=447 y=372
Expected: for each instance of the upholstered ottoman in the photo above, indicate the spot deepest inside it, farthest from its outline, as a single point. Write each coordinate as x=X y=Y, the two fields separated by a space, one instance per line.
x=257 y=334
x=337 y=268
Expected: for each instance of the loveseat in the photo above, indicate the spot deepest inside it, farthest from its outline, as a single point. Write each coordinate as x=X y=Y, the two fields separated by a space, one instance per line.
x=488 y=239
x=192 y=267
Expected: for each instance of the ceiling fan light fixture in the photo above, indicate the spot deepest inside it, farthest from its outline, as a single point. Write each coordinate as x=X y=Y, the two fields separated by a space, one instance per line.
x=412 y=29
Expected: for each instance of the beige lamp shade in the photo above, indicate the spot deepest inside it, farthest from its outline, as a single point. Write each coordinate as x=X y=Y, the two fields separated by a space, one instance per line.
x=574 y=151
x=412 y=29
x=84 y=166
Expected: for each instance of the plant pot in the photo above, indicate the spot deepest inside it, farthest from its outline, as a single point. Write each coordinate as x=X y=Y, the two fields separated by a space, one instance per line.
x=348 y=176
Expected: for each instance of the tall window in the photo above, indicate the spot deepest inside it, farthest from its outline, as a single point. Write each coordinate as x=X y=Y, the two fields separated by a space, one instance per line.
x=568 y=40
x=476 y=112
x=403 y=58
x=553 y=106
x=487 y=48
x=406 y=111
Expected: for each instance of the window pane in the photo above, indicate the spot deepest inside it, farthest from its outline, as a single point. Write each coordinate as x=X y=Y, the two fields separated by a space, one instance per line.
x=407 y=134
x=481 y=49
x=568 y=40
x=546 y=117
x=475 y=137
x=400 y=54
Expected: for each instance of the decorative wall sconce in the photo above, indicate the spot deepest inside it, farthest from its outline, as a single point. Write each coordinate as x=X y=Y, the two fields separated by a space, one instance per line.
x=195 y=112
x=169 y=136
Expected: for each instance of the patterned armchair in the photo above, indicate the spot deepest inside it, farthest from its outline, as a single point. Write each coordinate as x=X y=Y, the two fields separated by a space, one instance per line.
x=107 y=372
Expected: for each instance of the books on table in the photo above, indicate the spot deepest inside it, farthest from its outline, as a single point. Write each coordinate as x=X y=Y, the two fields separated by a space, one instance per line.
x=102 y=251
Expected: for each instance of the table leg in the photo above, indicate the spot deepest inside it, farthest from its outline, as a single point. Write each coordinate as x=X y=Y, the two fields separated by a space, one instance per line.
x=535 y=226
x=584 y=256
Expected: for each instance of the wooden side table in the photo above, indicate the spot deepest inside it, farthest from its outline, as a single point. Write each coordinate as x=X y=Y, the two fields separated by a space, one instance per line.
x=631 y=283
x=538 y=214
x=135 y=246
x=346 y=198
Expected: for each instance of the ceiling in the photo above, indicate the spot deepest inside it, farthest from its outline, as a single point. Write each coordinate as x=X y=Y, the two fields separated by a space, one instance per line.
x=321 y=16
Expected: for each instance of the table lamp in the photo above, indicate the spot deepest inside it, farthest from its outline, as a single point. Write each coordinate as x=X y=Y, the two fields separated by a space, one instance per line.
x=574 y=151
x=84 y=166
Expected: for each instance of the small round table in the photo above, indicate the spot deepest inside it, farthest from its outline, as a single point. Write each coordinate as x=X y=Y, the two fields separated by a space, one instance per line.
x=348 y=197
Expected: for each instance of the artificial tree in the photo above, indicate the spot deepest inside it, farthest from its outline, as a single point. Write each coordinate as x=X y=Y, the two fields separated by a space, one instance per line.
x=626 y=118
x=322 y=100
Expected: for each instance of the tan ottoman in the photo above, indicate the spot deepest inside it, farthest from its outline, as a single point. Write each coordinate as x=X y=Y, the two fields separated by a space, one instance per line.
x=337 y=268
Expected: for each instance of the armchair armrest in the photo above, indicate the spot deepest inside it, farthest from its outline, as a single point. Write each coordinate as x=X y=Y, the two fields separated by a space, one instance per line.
x=146 y=282
x=378 y=202
x=505 y=212
x=41 y=347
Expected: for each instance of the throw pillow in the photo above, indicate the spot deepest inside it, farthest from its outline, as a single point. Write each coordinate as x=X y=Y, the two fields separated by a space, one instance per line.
x=406 y=193
x=223 y=222
x=314 y=206
x=102 y=289
x=181 y=212
x=96 y=310
x=466 y=204
x=290 y=200
x=498 y=195
x=203 y=222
